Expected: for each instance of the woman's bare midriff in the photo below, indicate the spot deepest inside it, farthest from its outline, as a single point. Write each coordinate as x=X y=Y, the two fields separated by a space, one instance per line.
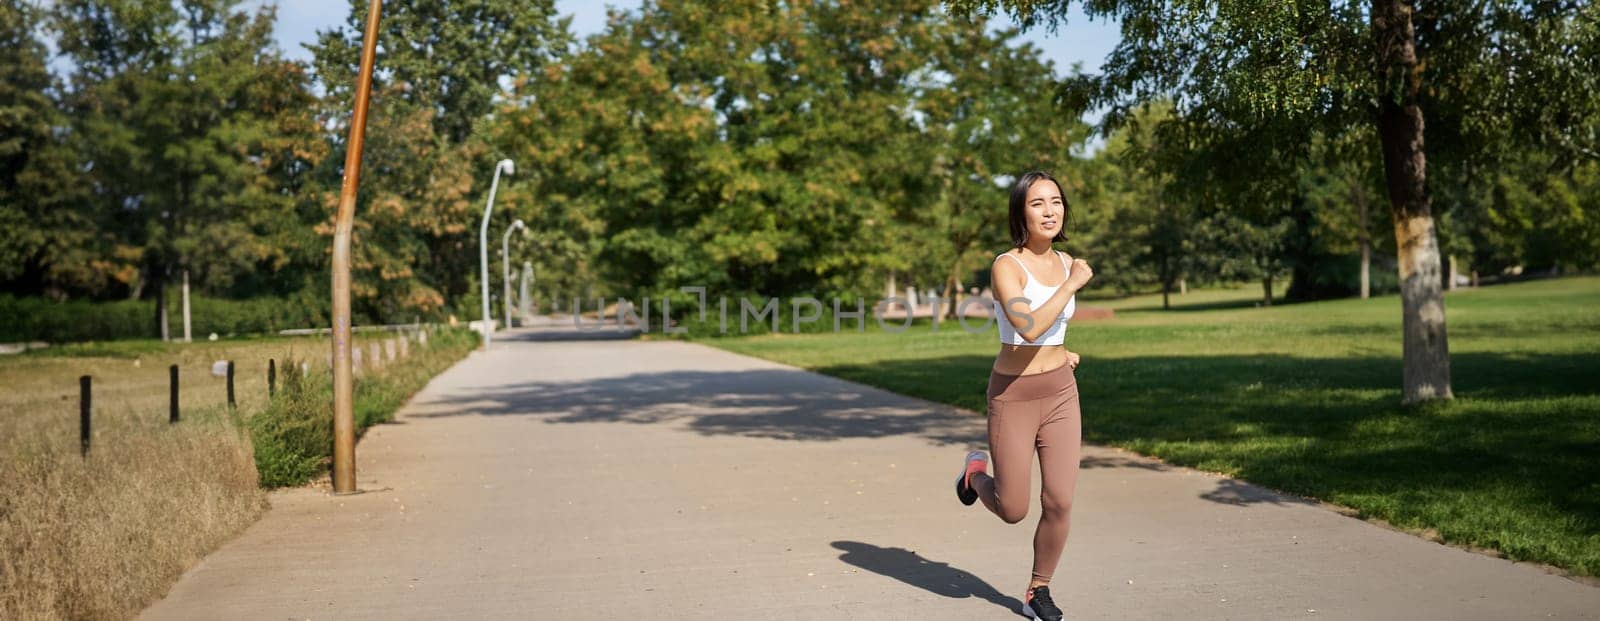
x=1029 y=359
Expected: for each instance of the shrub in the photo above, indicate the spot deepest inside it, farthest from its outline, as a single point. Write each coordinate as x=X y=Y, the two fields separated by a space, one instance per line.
x=39 y=319
x=293 y=436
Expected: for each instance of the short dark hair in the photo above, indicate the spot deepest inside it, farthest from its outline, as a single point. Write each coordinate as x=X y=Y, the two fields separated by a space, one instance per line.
x=1019 y=199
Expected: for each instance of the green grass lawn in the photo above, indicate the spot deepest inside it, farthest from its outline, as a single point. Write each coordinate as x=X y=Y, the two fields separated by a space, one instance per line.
x=1305 y=398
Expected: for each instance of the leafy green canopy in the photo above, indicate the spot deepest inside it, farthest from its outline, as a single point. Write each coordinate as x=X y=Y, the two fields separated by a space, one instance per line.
x=186 y=127
x=778 y=149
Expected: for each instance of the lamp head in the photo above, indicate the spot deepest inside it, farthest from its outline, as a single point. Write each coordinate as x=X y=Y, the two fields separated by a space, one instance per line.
x=507 y=167
x=517 y=225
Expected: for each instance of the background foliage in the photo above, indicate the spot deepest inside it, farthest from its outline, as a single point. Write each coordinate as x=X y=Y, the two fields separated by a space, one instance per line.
x=759 y=148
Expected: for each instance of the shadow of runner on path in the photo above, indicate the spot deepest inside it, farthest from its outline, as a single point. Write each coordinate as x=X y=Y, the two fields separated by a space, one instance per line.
x=910 y=568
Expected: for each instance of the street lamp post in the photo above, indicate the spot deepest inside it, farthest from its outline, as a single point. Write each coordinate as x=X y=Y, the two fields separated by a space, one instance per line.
x=344 y=428
x=483 y=247
x=505 y=267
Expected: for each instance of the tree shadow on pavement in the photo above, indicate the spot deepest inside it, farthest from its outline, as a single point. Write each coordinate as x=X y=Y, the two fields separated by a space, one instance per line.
x=552 y=334
x=1118 y=461
x=934 y=577
x=779 y=404
x=1236 y=492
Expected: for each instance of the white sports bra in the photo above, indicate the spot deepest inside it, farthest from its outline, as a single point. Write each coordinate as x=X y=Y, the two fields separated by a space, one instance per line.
x=1036 y=293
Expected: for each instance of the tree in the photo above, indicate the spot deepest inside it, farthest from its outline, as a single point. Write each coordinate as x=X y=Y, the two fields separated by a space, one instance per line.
x=1149 y=235
x=1400 y=120
x=442 y=69
x=778 y=149
x=180 y=112
x=988 y=113
x=1341 y=64
x=745 y=147
x=48 y=244
x=450 y=57
x=1533 y=211
x=1341 y=185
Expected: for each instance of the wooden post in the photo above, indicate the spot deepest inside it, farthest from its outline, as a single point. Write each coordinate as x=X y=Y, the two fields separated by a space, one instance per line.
x=172 y=402
x=83 y=414
x=231 y=403
x=272 y=377
x=344 y=427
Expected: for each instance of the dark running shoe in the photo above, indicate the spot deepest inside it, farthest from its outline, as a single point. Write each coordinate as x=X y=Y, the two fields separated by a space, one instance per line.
x=976 y=461
x=1038 y=605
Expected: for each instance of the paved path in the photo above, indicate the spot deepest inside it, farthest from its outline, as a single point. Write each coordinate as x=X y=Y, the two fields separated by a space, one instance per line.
x=661 y=480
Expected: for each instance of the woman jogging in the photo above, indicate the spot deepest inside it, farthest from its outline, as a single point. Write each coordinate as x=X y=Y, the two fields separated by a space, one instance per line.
x=1033 y=394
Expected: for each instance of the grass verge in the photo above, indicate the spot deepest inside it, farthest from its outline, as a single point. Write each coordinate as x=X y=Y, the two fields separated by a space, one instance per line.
x=101 y=537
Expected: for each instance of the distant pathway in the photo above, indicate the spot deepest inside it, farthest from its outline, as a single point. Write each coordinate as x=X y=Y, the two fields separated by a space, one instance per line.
x=611 y=479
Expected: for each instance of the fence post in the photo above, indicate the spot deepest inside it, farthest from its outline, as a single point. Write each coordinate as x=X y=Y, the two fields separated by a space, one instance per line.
x=83 y=414
x=231 y=403
x=272 y=377
x=172 y=409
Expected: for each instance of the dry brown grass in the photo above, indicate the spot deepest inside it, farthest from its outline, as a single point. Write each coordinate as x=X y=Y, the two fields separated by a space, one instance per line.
x=103 y=537
x=130 y=378
x=99 y=538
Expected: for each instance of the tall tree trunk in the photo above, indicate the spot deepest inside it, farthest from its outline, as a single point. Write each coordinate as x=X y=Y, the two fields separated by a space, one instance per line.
x=1365 y=238
x=1266 y=290
x=524 y=303
x=1166 y=286
x=160 y=281
x=952 y=289
x=1426 y=372
x=188 y=335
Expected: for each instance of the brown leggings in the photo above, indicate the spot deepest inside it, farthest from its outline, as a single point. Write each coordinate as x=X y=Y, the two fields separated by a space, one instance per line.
x=1025 y=412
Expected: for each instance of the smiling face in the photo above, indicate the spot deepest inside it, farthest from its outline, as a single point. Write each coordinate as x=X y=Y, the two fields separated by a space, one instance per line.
x=1038 y=210
x=1044 y=209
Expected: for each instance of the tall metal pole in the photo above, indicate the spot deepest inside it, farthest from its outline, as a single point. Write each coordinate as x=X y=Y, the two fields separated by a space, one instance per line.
x=483 y=248
x=344 y=426
x=505 y=268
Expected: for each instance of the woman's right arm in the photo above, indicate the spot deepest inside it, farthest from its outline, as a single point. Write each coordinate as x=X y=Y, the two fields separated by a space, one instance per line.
x=1031 y=324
